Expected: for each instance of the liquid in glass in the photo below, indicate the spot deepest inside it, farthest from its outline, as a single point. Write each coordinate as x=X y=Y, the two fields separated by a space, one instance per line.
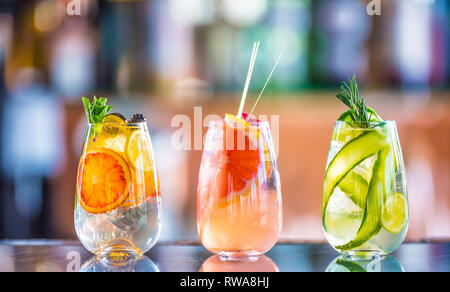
x=239 y=209
x=118 y=202
x=365 y=197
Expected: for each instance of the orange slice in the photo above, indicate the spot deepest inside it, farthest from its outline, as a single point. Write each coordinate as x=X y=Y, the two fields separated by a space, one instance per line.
x=114 y=142
x=114 y=134
x=103 y=180
x=144 y=188
x=139 y=151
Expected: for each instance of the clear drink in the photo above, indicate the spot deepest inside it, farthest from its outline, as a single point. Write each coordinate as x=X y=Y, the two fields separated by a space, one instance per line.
x=239 y=209
x=118 y=203
x=365 y=200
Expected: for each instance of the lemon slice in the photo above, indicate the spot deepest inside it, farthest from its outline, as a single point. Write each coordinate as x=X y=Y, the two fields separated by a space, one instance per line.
x=113 y=134
x=139 y=151
x=115 y=118
x=113 y=124
x=394 y=215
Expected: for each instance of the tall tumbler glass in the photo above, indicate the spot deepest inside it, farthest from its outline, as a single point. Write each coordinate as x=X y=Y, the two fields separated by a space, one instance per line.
x=365 y=197
x=118 y=201
x=239 y=210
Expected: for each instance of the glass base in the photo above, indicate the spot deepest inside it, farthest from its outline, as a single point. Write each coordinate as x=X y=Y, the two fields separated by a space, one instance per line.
x=119 y=250
x=363 y=254
x=239 y=255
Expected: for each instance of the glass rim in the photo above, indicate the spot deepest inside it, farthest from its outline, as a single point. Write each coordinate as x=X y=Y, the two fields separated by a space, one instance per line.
x=372 y=123
x=119 y=124
x=259 y=124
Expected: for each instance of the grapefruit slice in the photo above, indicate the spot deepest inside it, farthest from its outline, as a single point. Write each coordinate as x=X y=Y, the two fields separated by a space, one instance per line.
x=239 y=169
x=145 y=187
x=103 y=180
x=253 y=137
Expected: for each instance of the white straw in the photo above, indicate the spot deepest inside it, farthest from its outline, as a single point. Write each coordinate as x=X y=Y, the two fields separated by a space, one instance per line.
x=249 y=77
x=267 y=82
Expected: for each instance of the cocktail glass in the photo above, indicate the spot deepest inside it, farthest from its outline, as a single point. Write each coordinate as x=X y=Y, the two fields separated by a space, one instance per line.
x=239 y=212
x=118 y=203
x=365 y=198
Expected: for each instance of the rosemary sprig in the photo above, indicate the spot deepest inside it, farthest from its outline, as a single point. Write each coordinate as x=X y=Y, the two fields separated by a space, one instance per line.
x=349 y=95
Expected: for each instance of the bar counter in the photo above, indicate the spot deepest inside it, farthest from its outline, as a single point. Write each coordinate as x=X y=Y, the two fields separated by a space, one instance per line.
x=70 y=256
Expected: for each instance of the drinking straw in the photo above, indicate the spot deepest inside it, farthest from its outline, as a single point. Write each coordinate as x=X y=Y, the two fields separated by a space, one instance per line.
x=249 y=77
x=267 y=82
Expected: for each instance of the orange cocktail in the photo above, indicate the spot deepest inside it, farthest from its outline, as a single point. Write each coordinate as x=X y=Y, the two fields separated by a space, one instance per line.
x=117 y=207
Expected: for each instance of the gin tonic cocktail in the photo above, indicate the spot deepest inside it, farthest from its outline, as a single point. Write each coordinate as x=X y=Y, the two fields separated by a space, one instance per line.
x=365 y=202
x=118 y=203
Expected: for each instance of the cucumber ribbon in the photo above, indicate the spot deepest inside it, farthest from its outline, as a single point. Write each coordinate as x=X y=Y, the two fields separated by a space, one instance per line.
x=372 y=142
x=351 y=266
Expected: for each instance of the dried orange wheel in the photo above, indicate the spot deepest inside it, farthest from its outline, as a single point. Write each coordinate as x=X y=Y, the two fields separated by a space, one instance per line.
x=144 y=188
x=104 y=180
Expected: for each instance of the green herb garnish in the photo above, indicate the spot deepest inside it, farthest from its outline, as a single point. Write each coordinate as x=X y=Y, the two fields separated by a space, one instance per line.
x=96 y=111
x=359 y=113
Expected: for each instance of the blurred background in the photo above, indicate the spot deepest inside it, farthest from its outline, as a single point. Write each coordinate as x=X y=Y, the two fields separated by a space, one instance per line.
x=166 y=57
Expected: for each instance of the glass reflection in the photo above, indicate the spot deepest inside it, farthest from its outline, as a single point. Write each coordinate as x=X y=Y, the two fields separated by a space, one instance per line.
x=373 y=264
x=218 y=263
x=139 y=264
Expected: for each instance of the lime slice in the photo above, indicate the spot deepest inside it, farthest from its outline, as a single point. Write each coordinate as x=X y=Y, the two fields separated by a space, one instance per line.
x=394 y=215
x=375 y=117
x=347 y=117
x=347 y=132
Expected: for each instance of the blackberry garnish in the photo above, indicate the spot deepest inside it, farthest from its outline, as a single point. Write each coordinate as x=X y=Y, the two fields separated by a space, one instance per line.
x=138 y=118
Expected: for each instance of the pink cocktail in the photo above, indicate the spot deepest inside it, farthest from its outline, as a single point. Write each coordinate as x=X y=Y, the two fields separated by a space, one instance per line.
x=239 y=209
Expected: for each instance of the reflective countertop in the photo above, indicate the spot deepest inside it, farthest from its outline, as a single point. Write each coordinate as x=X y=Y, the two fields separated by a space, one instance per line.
x=70 y=256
